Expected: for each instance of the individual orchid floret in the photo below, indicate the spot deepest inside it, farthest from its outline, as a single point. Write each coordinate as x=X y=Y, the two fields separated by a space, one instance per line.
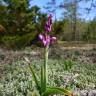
x=47 y=27
x=46 y=39
x=41 y=37
x=50 y=19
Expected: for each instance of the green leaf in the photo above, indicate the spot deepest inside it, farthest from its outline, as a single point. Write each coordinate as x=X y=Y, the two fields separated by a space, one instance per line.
x=56 y=90
x=34 y=77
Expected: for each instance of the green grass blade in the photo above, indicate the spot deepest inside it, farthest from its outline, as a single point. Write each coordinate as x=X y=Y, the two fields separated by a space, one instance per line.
x=34 y=76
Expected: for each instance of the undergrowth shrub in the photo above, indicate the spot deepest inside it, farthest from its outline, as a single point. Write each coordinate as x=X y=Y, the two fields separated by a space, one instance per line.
x=17 y=41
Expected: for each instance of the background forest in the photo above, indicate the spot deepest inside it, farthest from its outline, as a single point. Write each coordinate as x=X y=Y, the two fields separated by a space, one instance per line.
x=20 y=22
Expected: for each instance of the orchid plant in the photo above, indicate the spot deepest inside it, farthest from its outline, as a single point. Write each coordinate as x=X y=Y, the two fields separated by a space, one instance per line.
x=46 y=40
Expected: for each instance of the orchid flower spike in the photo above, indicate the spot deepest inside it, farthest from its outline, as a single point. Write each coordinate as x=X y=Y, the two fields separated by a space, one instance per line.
x=45 y=38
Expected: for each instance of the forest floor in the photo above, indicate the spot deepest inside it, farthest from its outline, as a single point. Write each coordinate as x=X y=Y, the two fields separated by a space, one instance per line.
x=84 y=56
x=62 y=47
x=62 y=50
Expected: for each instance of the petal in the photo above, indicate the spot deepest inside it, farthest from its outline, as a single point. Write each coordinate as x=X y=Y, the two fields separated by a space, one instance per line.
x=53 y=38
x=44 y=42
x=41 y=36
x=48 y=40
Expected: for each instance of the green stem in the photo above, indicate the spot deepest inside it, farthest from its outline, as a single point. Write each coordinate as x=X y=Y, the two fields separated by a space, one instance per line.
x=44 y=75
x=45 y=66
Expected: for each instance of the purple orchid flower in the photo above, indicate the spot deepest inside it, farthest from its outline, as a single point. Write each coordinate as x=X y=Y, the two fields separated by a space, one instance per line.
x=46 y=38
